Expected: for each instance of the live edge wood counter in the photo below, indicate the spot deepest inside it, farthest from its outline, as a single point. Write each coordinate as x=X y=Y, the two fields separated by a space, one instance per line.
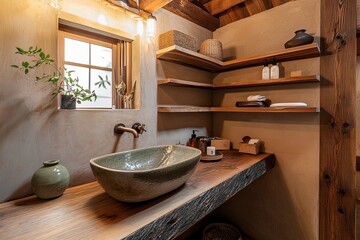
x=87 y=212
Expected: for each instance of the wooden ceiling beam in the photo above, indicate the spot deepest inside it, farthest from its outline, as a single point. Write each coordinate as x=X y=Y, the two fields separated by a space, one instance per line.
x=215 y=7
x=276 y=3
x=193 y=13
x=255 y=6
x=149 y=6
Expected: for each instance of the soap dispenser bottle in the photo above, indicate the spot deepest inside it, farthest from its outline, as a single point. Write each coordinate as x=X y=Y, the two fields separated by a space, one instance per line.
x=266 y=71
x=192 y=140
x=274 y=70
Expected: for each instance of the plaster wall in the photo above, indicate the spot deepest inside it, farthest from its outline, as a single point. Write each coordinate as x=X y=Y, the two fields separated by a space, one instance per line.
x=33 y=130
x=283 y=204
x=176 y=127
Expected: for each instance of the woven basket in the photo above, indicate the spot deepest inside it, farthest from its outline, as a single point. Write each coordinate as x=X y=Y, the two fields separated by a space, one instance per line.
x=212 y=48
x=221 y=231
x=177 y=38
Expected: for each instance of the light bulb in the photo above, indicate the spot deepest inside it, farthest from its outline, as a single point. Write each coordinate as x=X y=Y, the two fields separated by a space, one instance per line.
x=151 y=26
x=139 y=27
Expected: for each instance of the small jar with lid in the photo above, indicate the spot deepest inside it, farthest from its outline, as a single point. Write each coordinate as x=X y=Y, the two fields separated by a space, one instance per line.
x=51 y=180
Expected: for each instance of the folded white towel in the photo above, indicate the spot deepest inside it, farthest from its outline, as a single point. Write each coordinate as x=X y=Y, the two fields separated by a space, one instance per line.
x=289 y=104
x=256 y=98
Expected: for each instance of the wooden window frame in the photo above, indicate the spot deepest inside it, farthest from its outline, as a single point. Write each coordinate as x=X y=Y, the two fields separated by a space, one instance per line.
x=121 y=57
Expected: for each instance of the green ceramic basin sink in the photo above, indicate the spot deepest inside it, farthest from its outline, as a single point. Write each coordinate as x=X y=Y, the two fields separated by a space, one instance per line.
x=143 y=174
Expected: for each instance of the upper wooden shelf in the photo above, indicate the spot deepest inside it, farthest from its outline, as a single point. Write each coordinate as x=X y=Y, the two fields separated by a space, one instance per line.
x=240 y=84
x=189 y=58
x=87 y=212
x=186 y=57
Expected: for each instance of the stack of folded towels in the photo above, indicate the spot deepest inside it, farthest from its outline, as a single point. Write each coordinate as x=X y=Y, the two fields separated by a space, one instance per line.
x=252 y=98
x=289 y=104
x=254 y=101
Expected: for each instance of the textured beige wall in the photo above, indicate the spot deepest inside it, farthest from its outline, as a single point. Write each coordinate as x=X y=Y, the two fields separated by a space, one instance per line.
x=284 y=203
x=32 y=130
x=176 y=127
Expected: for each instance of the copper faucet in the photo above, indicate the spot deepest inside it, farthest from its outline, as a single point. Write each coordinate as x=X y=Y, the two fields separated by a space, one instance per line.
x=137 y=128
x=120 y=129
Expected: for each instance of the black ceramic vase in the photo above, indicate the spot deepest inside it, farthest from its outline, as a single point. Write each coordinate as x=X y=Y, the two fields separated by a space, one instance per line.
x=300 y=38
x=67 y=102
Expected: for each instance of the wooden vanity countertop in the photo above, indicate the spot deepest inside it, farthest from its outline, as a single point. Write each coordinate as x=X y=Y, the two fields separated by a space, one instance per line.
x=87 y=212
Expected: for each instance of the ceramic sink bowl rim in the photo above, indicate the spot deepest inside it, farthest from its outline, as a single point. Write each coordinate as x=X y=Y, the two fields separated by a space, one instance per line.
x=137 y=185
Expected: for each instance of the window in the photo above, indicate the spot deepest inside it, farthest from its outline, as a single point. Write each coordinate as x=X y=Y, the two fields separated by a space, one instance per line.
x=92 y=56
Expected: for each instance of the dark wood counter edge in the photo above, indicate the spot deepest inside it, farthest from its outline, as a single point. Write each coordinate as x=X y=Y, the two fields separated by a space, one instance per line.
x=183 y=217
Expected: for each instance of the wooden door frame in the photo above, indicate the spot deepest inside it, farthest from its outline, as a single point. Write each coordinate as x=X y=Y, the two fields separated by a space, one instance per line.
x=337 y=120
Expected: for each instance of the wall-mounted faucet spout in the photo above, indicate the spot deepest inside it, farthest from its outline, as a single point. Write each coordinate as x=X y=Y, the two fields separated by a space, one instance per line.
x=120 y=129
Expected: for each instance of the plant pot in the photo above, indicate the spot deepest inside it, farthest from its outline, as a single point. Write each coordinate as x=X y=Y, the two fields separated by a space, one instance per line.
x=300 y=38
x=51 y=180
x=68 y=102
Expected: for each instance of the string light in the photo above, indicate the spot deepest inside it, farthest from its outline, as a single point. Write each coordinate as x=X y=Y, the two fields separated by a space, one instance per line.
x=151 y=26
x=139 y=27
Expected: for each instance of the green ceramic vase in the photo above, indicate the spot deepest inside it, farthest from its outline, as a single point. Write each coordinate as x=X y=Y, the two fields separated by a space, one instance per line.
x=51 y=180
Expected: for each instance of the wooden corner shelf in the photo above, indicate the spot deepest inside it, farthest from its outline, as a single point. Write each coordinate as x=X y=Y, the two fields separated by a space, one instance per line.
x=239 y=84
x=194 y=109
x=186 y=57
x=181 y=109
x=269 y=82
x=183 y=83
x=289 y=54
x=196 y=60
x=266 y=109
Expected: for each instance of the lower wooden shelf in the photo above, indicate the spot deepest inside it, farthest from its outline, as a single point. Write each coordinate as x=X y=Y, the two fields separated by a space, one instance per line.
x=87 y=212
x=266 y=109
x=182 y=109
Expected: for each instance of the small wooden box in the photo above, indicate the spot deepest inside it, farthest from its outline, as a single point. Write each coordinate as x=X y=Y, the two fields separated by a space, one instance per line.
x=221 y=144
x=249 y=148
x=177 y=38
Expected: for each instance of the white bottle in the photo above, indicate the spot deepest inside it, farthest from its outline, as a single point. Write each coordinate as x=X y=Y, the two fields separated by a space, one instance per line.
x=274 y=71
x=266 y=71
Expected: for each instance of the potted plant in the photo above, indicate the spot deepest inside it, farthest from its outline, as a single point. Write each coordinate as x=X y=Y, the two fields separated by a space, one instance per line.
x=62 y=80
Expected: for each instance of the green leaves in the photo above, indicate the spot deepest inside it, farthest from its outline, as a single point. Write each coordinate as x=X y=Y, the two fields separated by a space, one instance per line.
x=62 y=80
x=42 y=55
x=102 y=82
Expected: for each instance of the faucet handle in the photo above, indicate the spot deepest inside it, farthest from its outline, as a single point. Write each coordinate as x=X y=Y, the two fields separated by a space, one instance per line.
x=140 y=128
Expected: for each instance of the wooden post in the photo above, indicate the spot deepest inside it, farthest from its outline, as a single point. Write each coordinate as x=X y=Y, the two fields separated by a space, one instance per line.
x=337 y=129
